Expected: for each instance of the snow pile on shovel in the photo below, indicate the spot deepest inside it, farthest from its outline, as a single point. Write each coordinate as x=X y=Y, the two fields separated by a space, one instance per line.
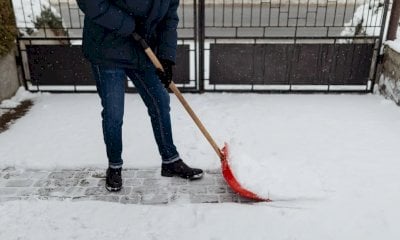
x=272 y=177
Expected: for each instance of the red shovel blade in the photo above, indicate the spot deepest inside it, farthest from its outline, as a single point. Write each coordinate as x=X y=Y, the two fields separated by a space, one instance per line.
x=231 y=180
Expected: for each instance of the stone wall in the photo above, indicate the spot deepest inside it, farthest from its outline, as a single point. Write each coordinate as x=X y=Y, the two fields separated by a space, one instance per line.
x=389 y=81
x=9 y=82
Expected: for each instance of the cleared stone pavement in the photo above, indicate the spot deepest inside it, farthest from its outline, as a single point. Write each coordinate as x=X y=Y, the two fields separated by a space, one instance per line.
x=141 y=186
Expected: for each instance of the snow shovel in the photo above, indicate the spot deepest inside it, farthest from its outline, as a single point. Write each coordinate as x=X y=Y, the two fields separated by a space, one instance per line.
x=223 y=154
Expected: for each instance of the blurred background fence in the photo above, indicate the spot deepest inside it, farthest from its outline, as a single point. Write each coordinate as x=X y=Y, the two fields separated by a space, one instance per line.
x=224 y=45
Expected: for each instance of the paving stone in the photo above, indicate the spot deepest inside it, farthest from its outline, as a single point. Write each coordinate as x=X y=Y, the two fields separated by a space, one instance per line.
x=145 y=190
x=246 y=200
x=150 y=182
x=130 y=199
x=147 y=173
x=178 y=181
x=109 y=198
x=103 y=191
x=216 y=189
x=128 y=173
x=101 y=182
x=141 y=186
x=132 y=182
x=213 y=171
x=18 y=174
x=7 y=191
x=28 y=191
x=98 y=174
x=155 y=199
x=80 y=198
x=75 y=191
x=193 y=189
x=204 y=198
x=81 y=174
x=42 y=183
x=206 y=180
x=68 y=182
x=6 y=199
x=219 y=180
x=39 y=175
x=51 y=191
x=89 y=182
x=225 y=198
x=61 y=175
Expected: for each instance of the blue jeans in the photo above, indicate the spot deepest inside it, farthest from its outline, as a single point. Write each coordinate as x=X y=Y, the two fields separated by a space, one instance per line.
x=110 y=82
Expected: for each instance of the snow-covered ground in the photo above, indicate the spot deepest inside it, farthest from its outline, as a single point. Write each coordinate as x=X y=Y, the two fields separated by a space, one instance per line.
x=329 y=162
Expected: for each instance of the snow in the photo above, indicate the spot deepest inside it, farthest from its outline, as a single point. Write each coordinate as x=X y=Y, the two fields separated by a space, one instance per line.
x=328 y=162
x=284 y=220
x=20 y=95
x=369 y=17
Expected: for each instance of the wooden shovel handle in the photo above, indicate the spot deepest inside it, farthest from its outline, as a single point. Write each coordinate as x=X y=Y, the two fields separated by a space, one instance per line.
x=179 y=95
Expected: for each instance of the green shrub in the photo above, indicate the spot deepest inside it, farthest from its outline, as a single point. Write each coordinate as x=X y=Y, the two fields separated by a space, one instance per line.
x=8 y=30
x=47 y=20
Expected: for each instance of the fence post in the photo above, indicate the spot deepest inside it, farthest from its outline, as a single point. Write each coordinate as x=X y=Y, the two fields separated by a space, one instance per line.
x=201 y=38
x=394 y=20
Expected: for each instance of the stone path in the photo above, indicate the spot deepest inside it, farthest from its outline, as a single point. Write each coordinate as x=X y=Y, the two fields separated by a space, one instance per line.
x=141 y=186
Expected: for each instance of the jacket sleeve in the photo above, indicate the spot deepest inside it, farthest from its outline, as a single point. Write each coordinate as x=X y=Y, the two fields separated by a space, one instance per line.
x=107 y=15
x=168 y=34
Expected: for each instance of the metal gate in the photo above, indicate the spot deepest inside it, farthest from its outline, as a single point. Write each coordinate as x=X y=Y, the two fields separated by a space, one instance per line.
x=224 y=45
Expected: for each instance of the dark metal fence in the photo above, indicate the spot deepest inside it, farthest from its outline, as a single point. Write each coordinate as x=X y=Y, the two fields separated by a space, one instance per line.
x=233 y=45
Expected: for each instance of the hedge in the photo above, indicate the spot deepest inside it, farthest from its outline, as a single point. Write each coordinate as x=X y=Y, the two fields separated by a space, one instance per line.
x=8 y=30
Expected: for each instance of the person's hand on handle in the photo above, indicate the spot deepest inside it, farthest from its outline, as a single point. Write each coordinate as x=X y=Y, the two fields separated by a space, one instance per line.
x=166 y=75
x=163 y=66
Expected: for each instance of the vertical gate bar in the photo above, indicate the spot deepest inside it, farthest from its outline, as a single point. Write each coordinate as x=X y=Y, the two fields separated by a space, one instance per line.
x=233 y=12
x=213 y=6
x=201 y=39
x=381 y=36
x=251 y=14
x=241 y=17
x=365 y=4
x=316 y=14
x=183 y=14
x=354 y=10
x=344 y=15
x=260 y=14
x=223 y=13
x=334 y=15
x=326 y=13
x=279 y=12
x=70 y=16
x=196 y=52
x=269 y=14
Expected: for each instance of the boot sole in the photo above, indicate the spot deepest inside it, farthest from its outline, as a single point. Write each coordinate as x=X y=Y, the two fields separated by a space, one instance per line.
x=193 y=177
x=113 y=189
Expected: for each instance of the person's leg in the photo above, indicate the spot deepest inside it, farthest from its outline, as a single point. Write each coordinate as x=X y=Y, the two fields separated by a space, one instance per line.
x=156 y=99
x=110 y=82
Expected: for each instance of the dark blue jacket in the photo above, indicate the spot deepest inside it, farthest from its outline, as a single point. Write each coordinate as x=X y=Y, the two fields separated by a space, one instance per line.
x=109 y=23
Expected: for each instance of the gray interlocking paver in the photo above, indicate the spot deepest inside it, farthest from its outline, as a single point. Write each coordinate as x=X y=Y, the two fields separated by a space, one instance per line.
x=8 y=191
x=147 y=173
x=109 y=198
x=141 y=186
x=89 y=182
x=131 y=199
x=204 y=198
x=61 y=175
x=133 y=182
